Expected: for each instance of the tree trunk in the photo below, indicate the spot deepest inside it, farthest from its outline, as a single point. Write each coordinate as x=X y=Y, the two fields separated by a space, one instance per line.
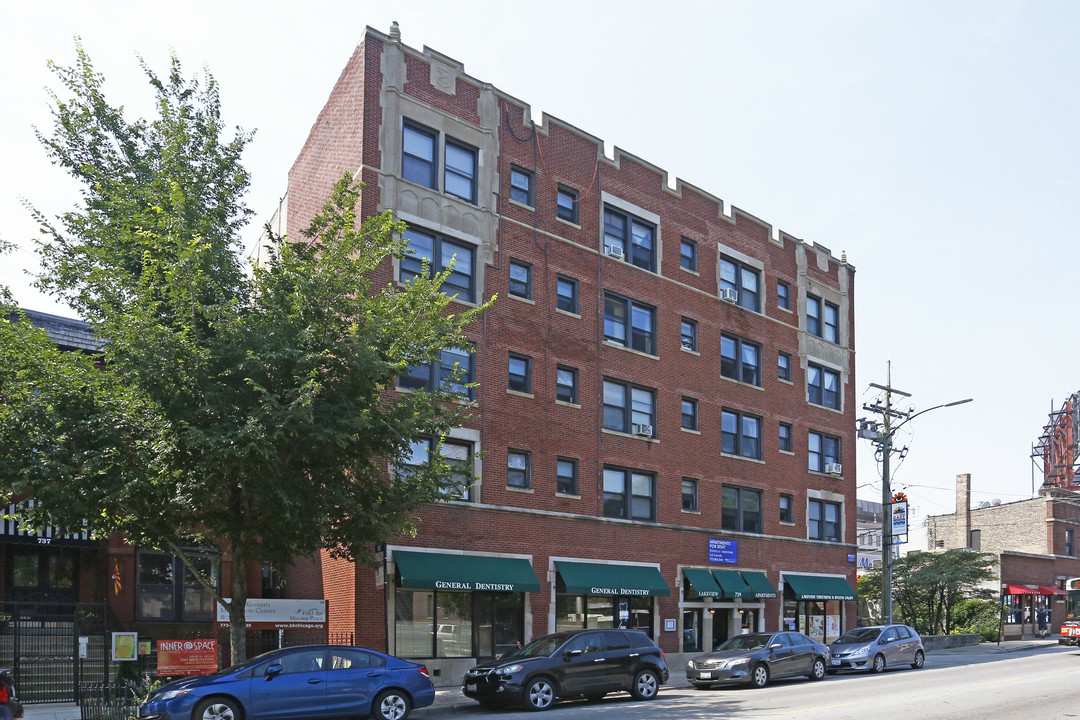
x=237 y=606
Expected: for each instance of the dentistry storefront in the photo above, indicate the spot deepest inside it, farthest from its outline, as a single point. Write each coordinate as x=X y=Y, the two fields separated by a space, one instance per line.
x=455 y=605
x=607 y=595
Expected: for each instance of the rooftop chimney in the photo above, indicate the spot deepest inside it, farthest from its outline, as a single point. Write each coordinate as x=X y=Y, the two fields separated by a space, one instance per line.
x=963 y=510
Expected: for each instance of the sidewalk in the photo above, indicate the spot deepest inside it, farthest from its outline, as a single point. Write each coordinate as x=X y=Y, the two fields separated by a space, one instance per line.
x=450 y=699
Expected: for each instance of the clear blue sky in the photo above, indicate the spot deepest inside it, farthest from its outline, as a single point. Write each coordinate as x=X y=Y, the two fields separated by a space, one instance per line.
x=933 y=142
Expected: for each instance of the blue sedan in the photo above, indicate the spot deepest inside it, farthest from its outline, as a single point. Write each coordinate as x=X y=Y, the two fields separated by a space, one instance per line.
x=312 y=681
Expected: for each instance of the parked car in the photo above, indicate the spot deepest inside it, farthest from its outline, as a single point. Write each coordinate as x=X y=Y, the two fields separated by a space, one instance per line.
x=876 y=648
x=10 y=707
x=583 y=663
x=757 y=658
x=310 y=681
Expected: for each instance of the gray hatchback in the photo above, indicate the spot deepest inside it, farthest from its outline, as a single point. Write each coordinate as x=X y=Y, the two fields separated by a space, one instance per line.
x=756 y=658
x=876 y=648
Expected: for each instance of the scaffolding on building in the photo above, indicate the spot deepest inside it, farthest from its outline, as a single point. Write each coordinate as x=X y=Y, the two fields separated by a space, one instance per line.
x=1055 y=453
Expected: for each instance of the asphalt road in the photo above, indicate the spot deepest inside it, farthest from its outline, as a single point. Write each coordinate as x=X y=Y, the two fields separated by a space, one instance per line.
x=1037 y=682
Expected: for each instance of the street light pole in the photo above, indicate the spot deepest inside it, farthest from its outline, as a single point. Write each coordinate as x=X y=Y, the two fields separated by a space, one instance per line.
x=887 y=448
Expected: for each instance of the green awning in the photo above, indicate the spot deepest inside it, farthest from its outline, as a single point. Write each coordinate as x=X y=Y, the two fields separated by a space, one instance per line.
x=812 y=587
x=702 y=580
x=448 y=571
x=732 y=584
x=603 y=579
x=760 y=587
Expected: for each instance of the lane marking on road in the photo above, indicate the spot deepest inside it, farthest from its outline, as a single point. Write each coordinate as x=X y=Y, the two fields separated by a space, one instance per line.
x=995 y=682
x=811 y=709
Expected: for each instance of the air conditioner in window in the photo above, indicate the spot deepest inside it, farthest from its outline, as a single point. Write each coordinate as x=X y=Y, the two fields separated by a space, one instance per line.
x=643 y=429
x=729 y=295
x=687 y=344
x=833 y=468
x=614 y=252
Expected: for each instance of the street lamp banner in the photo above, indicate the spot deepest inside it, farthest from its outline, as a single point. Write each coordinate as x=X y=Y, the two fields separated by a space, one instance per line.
x=273 y=614
x=899 y=511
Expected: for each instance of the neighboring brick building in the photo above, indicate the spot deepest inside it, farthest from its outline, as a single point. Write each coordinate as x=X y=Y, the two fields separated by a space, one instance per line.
x=1034 y=542
x=658 y=374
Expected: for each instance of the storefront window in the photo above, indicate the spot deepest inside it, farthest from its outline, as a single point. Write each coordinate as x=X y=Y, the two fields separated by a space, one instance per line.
x=820 y=619
x=1018 y=611
x=457 y=624
x=601 y=611
x=569 y=613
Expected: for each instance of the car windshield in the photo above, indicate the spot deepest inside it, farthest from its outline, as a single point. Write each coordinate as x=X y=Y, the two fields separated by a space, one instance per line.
x=859 y=635
x=746 y=642
x=540 y=647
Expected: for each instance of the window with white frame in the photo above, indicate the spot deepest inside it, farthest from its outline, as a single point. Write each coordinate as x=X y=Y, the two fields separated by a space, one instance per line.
x=822 y=451
x=742 y=280
x=632 y=237
x=419 y=161
x=518 y=470
x=629 y=408
x=521 y=279
x=822 y=386
x=689 y=495
x=521 y=185
x=566 y=294
x=566 y=476
x=688 y=334
x=566 y=387
x=823 y=520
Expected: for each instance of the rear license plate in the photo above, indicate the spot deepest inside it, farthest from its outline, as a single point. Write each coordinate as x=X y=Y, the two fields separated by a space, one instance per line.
x=470 y=687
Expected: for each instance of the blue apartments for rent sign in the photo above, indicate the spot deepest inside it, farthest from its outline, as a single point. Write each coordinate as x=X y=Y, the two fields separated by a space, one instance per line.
x=724 y=551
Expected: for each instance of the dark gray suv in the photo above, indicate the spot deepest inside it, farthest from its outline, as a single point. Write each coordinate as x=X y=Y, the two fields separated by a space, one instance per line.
x=584 y=663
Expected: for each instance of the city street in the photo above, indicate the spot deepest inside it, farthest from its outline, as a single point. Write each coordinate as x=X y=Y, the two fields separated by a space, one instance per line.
x=953 y=685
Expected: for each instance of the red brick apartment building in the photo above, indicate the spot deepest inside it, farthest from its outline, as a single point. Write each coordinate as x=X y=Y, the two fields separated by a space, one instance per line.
x=665 y=412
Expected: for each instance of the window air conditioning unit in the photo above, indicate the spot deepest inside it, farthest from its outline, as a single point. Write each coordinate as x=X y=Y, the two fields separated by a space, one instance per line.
x=643 y=429
x=729 y=295
x=614 y=252
x=687 y=344
x=833 y=468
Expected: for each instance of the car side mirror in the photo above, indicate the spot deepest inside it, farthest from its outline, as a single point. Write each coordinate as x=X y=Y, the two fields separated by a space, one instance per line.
x=574 y=653
x=775 y=645
x=272 y=670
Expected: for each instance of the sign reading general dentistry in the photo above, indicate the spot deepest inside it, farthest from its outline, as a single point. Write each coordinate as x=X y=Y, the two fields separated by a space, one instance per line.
x=271 y=614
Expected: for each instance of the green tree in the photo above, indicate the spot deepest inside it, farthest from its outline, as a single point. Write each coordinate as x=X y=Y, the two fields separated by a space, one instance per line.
x=929 y=586
x=244 y=410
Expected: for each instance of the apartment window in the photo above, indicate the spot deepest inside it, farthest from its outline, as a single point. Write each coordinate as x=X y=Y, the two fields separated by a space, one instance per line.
x=457 y=455
x=688 y=334
x=823 y=386
x=785 y=437
x=566 y=384
x=627 y=406
x=165 y=589
x=441 y=373
x=566 y=201
x=419 y=146
x=740 y=359
x=521 y=279
x=459 y=179
x=517 y=470
x=688 y=254
x=741 y=510
x=520 y=373
x=632 y=236
x=783 y=366
x=822 y=319
x=689 y=495
x=566 y=294
x=783 y=295
x=521 y=186
x=440 y=253
x=824 y=520
x=822 y=450
x=1070 y=549
x=741 y=280
x=740 y=434
x=975 y=540
x=689 y=414
x=566 y=476
x=629 y=494
x=787 y=508
x=628 y=323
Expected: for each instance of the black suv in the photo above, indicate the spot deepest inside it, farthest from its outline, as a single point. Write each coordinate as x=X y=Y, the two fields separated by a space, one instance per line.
x=585 y=663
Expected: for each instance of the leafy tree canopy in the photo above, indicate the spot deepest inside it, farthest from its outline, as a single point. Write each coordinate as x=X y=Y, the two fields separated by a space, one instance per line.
x=242 y=408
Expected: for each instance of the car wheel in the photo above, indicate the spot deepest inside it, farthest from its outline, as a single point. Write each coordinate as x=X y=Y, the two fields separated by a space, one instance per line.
x=646 y=685
x=759 y=676
x=390 y=705
x=701 y=685
x=817 y=669
x=217 y=709
x=920 y=659
x=879 y=664
x=540 y=694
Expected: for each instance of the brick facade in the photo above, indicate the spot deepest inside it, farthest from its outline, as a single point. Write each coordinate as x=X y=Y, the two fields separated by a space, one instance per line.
x=386 y=84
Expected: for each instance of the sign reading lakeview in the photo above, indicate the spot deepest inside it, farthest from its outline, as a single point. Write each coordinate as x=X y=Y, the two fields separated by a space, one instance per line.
x=269 y=614
x=724 y=551
x=187 y=657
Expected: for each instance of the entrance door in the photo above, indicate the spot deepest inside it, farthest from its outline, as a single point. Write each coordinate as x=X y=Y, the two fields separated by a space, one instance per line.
x=721 y=627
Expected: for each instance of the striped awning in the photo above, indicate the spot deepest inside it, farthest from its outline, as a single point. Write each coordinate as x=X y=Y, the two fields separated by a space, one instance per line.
x=13 y=531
